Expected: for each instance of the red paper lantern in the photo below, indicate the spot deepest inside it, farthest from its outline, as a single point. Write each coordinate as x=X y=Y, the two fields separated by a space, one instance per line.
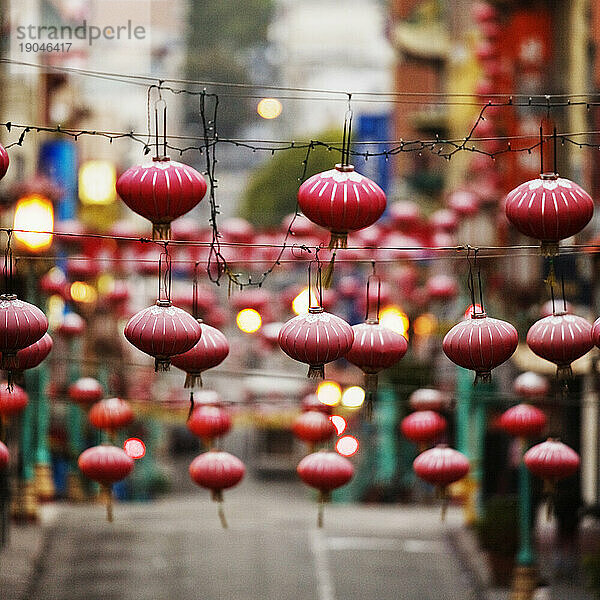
x=483 y=12
x=12 y=401
x=444 y=220
x=72 y=325
x=561 y=339
x=311 y=402
x=55 y=282
x=463 y=203
x=163 y=331
x=423 y=426
x=375 y=348
x=523 y=420
x=531 y=385
x=4 y=455
x=549 y=209
x=313 y=426
x=211 y=350
x=33 y=355
x=480 y=344
x=596 y=332
x=217 y=471
x=551 y=460
x=269 y=333
x=325 y=471
x=441 y=287
x=85 y=391
x=4 y=161
x=161 y=191
x=316 y=338
x=427 y=399
x=105 y=465
x=209 y=422
x=341 y=200
x=21 y=324
x=111 y=414
x=404 y=215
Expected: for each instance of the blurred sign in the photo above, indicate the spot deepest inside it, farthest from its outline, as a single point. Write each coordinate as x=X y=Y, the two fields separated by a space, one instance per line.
x=377 y=168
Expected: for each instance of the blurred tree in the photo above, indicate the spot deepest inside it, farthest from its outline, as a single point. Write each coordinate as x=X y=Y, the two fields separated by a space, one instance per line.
x=221 y=40
x=272 y=188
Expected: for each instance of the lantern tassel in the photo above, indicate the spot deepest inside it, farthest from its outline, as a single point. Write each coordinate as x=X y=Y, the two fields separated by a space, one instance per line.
x=161 y=231
x=217 y=496
x=323 y=499
x=445 y=499
x=316 y=372
x=482 y=377
x=549 y=489
x=369 y=405
x=193 y=380
x=162 y=364
x=109 y=502
x=338 y=240
x=564 y=372
x=191 y=410
x=549 y=248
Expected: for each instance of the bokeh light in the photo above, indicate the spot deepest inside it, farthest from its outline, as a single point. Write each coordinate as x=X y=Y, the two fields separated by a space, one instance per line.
x=425 y=324
x=97 y=179
x=339 y=423
x=83 y=292
x=329 y=393
x=396 y=320
x=353 y=397
x=134 y=447
x=347 y=445
x=33 y=214
x=269 y=108
x=248 y=320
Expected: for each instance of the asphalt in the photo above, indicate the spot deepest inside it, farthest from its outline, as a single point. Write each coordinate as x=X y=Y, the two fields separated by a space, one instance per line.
x=174 y=548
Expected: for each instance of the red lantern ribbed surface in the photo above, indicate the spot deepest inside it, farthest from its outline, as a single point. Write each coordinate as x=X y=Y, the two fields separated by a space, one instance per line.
x=531 y=385
x=217 y=470
x=441 y=465
x=111 y=414
x=4 y=456
x=551 y=460
x=12 y=401
x=596 y=332
x=162 y=331
x=209 y=422
x=375 y=348
x=341 y=200
x=4 y=161
x=423 y=426
x=561 y=339
x=161 y=191
x=325 y=471
x=313 y=426
x=523 y=420
x=480 y=343
x=549 y=209
x=21 y=324
x=105 y=464
x=211 y=350
x=33 y=355
x=316 y=339
x=85 y=391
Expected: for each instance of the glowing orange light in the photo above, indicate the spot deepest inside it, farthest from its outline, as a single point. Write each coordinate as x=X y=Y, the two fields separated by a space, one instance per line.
x=329 y=393
x=83 y=292
x=34 y=214
x=269 y=108
x=339 y=423
x=469 y=311
x=425 y=324
x=134 y=447
x=248 y=320
x=347 y=445
x=353 y=397
x=393 y=318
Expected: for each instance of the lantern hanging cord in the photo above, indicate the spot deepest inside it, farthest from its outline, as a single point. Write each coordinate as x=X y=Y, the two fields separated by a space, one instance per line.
x=347 y=134
x=8 y=263
x=164 y=278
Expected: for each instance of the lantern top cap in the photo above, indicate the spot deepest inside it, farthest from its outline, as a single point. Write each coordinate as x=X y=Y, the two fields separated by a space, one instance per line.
x=315 y=310
x=344 y=168
x=479 y=315
x=164 y=158
x=549 y=176
x=163 y=303
x=560 y=313
x=8 y=297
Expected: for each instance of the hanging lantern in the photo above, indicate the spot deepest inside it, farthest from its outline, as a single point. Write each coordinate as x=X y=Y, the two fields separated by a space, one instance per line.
x=549 y=209
x=161 y=191
x=217 y=471
x=33 y=355
x=596 y=332
x=441 y=287
x=312 y=402
x=325 y=471
x=480 y=343
x=316 y=338
x=551 y=460
x=523 y=420
x=85 y=391
x=21 y=324
x=341 y=200
x=269 y=334
x=313 y=426
x=111 y=414
x=423 y=427
x=72 y=325
x=4 y=455
x=427 y=399
x=209 y=422
x=211 y=350
x=163 y=331
x=12 y=400
x=55 y=282
x=441 y=466
x=105 y=465
x=4 y=161
x=530 y=385
x=404 y=215
x=561 y=339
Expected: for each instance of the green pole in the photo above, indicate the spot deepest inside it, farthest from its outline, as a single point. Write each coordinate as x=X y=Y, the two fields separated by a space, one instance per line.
x=526 y=554
x=464 y=389
x=386 y=460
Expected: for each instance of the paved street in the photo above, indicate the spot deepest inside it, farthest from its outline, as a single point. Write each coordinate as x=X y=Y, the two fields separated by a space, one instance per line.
x=176 y=549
